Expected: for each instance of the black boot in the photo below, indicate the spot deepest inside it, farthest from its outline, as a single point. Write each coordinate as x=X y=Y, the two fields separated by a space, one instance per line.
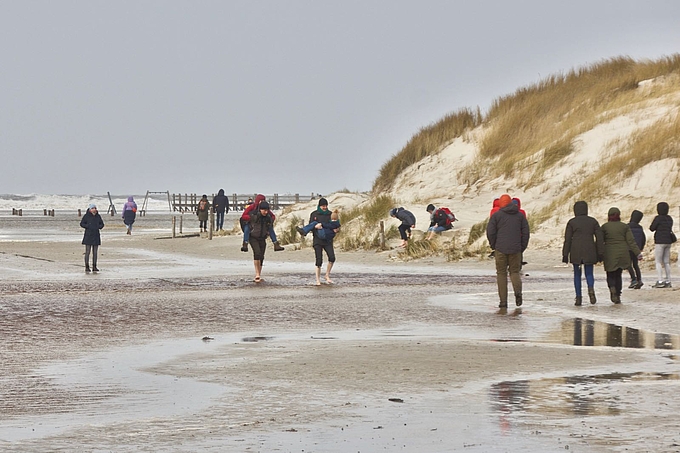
x=244 y=247
x=277 y=247
x=87 y=268
x=591 y=295
x=578 y=301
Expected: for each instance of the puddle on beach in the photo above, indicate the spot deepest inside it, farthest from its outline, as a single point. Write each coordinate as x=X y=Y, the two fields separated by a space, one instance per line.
x=586 y=332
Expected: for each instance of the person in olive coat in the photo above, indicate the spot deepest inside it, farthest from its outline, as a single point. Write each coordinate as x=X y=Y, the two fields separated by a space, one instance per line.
x=203 y=212
x=618 y=241
x=92 y=222
x=662 y=226
x=583 y=244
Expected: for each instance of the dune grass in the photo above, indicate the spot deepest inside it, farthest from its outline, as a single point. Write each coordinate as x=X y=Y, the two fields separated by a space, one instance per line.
x=427 y=141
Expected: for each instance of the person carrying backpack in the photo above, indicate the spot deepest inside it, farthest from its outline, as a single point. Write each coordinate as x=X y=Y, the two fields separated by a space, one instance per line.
x=440 y=220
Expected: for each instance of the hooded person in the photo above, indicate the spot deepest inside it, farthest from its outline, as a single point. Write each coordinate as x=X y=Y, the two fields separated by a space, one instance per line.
x=640 y=240
x=220 y=206
x=508 y=234
x=245 y=226
x=260 y=223
x=662 y=226
x=129 y=213
x=583 y=247
x=618 y=243
x=322 y=215
x=91 y=222
x=408 y=221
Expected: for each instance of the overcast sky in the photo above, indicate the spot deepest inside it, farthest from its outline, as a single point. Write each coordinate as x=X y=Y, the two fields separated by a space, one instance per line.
x=273 y=96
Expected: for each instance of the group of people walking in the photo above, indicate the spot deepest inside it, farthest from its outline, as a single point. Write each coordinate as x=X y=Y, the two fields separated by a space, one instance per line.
x=619 y=246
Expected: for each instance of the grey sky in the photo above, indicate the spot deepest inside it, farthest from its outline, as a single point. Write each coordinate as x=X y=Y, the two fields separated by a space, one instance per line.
x=273 y=96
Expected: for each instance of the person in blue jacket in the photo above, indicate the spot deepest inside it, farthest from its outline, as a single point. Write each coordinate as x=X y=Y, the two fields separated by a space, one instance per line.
x=408 y=221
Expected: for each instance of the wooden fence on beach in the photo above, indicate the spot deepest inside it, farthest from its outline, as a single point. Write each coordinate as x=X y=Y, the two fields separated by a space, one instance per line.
x=238 y=202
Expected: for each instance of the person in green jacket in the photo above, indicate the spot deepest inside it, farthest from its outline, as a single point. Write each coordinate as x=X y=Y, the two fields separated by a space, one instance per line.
x=618 y=241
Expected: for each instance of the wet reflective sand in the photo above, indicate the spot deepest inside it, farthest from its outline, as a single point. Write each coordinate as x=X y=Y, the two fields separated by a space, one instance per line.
x=172 y=348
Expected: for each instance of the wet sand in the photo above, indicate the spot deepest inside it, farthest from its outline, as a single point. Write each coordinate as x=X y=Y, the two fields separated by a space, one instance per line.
x=395 y=356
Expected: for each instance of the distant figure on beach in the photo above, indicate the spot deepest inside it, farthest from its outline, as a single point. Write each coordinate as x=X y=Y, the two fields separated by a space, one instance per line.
x=508 y=234
x=583 y=247
x=408 y=221
x=618 y=242
x=640 y=240
x=440 y=220
x=662 y=226
x=92 y=222
x=129 y=213
x=245 y=224
x=220 y=206
x=322 y=215
x=326 y=231
x=203 y=213
x=260 y=222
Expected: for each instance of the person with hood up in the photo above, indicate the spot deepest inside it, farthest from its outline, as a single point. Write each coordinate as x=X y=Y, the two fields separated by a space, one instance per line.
x=322 y=215
x=508 y=234
x=92 y=222
x=583 y=245
x=662 y=226
x=203 y=213
x=129 y=213
x=640 y=240
x=261 y=222
x=618 y=242
x=220 y=206
x=408 y=221
x=245 y=224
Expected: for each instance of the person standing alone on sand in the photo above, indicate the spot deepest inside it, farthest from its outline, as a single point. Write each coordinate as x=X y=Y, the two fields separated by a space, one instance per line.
x=129 y=214
x=508 y=235
x=618 y=241
x=260 y=223
x=220 y=206
x=583 y=244
x=662 y=226
x=322 y=215
x=92 y=222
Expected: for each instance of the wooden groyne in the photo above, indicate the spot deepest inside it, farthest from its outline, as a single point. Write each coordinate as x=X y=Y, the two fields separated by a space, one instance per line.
x=238 y=202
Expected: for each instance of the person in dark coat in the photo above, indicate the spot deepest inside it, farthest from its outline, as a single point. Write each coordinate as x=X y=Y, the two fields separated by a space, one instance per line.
x=662 y=226
x=129 y=214
x=583 y=247
x=408 y=221
x=508 y=234
x=618 y=242
x=322 y=215
x=92 y=222
x=439 y=221
x=260 y=222
x=640 y=240
x=245 y=224
x=220 y=206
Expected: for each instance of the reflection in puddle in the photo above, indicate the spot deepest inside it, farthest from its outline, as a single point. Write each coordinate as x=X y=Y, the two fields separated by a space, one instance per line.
x=566 y=396
x=586 y=332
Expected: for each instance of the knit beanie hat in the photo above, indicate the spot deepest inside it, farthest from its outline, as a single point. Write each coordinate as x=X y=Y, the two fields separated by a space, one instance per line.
x=323 y=202
x=91 y=205
x=264 y=205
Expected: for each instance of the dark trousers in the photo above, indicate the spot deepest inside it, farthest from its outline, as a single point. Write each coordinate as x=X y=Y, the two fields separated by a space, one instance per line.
x=259 y=245
x=614 y=280
x=318 y=253
x=403 y=229
x=94 y=249
x=219 y=218
x=634 y=268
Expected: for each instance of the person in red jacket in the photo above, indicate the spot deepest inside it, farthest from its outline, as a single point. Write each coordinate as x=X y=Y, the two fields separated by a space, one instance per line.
x=245 y=224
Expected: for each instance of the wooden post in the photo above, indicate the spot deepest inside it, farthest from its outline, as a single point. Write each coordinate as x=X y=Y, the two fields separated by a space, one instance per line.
x=44 y=211
x=297 y=198
x=382 y=234
x=79 y=213
x=181 y=220
x=52 y=214
x=174 y=221
x=212 y=220
x=21 y=212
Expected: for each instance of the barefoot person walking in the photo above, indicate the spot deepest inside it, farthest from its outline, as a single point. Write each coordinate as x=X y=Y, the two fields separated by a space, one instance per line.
x=92 y=222
x=322 y=215
x=260 y=223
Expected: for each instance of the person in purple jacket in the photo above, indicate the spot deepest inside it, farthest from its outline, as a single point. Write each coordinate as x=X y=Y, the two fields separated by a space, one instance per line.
x=129 y=213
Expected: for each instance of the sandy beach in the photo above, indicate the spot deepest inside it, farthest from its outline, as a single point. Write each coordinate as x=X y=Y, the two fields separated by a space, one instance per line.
x=172 y=347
